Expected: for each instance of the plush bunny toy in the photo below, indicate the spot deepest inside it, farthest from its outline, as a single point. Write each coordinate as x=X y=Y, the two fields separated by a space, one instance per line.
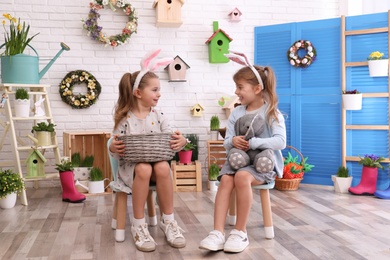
x=251 y=125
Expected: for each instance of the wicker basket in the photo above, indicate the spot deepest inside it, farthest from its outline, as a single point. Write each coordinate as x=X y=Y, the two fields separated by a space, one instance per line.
x=289 y=184
x=147 y=147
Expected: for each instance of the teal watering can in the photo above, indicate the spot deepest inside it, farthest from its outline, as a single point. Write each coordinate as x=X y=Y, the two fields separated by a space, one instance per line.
x=24 y=69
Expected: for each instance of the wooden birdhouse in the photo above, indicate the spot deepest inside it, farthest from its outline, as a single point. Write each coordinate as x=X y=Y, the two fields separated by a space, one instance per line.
x=177 y=70
x=197 y=110
x=218 y=45
x=35 y=164
x=230 y=105
x=235 y=15
x=168 y=12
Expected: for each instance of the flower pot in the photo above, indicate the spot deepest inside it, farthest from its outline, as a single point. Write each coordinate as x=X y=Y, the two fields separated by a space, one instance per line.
x=213 y=185
x=378 y=68
x=43 y=137
x=96 y=187
x=341 y=184
x=185 y=156
x=214 y=135
x=9 y=201
x=352 y=101
x=22 y=107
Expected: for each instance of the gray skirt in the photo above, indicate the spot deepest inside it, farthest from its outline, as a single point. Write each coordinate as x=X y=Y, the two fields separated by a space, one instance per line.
x=262 y=177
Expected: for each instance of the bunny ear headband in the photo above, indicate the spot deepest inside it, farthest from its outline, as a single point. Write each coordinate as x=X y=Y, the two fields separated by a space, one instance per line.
x=150 y=63
x=241 y=58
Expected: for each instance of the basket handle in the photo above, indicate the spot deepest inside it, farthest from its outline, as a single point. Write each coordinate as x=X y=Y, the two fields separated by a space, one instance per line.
x=298 y=152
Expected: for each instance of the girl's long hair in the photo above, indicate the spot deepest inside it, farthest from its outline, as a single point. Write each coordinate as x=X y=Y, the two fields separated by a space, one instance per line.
x=126 y=99
x=268 y=93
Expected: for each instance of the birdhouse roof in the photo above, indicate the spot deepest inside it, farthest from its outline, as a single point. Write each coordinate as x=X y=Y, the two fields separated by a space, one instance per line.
x=235 y=10
x=37 y=153
x=197 y=105
x=217 y=32
x=230 y=104
x=178 y=57
x=156 y=2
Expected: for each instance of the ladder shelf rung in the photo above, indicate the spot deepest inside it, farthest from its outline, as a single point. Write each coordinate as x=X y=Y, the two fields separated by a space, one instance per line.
x=26 y=148
x=31 y=118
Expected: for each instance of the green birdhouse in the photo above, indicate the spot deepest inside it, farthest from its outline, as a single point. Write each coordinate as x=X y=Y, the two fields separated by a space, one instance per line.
x=35 y=165
x=218 y=45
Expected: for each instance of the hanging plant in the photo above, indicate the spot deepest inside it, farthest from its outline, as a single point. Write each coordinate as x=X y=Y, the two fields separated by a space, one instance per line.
x=96 y=32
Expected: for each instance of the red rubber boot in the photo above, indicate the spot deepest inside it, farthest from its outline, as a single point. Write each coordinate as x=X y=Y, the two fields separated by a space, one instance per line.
x=367 y=185
x=69 y=191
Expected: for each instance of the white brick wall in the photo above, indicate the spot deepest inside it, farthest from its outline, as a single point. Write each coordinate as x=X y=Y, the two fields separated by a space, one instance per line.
x=58 y=20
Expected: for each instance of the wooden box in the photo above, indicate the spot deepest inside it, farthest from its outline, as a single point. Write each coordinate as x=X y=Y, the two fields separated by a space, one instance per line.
x=187 y=177
x=90 y=143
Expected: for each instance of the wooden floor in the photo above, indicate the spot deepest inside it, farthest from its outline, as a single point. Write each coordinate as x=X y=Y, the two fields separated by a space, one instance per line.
x=311 y=223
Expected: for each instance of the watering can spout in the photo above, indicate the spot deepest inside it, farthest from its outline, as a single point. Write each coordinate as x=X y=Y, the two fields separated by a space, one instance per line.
x=64 y=47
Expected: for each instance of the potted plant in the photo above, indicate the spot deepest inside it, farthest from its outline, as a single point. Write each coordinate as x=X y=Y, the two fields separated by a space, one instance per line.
x=293 y=172
x=22 y=103
x=352 y=99
x=69 y=191
x=96 y=182
x=369 y=177
x=378 y=65
x=11 y=185
x=43 y=132
x=185 y=154
x=342 y=180
x=13 y=62
x=214 y=127
x=82 y=169
x=213 y=174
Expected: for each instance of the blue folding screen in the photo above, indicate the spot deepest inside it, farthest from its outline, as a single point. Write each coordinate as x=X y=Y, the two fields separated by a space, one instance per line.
x=310 y=97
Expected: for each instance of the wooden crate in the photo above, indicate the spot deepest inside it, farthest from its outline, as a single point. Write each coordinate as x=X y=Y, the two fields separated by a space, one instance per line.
x=216 y=153
x=187 y=177
x=90 y=143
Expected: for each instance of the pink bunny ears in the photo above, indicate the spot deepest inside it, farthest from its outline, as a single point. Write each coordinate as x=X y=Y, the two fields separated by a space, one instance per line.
x=241 y=58
x=150 y=63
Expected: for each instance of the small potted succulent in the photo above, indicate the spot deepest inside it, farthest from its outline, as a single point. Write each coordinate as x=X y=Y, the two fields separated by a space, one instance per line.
x=22 y=103
x=43 y=133
x=378 y=64
x=214 y=127
x=342 y=180
x=11 y=185
x=352 y=99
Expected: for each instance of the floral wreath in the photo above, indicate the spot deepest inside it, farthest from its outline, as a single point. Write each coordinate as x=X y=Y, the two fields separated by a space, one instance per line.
x=79 y=100
x=95 y=31
x=305 y=61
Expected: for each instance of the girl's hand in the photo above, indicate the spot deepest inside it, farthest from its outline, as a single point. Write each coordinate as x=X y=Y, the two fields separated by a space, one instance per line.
x=117 y=146
x=178 y=141
x=240 y=143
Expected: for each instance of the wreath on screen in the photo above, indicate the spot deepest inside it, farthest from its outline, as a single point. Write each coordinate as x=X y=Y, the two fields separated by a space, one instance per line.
x=79 y=100
x=96 y=32
x=305 y=61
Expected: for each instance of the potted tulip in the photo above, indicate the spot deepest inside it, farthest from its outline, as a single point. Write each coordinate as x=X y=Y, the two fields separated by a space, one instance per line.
x=367 y=185
x=22 y=103
x=342 y=180
x=11 y=185
x=352 y=99
x=378 y=65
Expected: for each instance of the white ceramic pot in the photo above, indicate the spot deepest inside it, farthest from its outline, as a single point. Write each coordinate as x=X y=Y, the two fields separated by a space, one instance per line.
x=214 y=135
x=378 y=68
x=213 y=185
x=22 y=107
x=96 y=186
x=9 y=201
x=341 y=184
x=352 y=101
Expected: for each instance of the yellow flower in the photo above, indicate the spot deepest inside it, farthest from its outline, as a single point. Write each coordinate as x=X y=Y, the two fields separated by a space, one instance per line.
x=7 y=16
x=19 y=27
x=3 y=22
x=376 y=55
x=77 y=103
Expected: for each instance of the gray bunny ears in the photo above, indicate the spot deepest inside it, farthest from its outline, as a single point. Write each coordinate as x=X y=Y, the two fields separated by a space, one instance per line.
x=241 y=58
x=150 y=63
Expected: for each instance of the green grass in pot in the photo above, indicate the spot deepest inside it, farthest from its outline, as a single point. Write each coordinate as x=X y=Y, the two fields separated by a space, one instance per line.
x=76 y=159
x=343 y=172
x=96 y=174
x=214 y=123
x=88 y=161
x=21 y=93
x=213 y=172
